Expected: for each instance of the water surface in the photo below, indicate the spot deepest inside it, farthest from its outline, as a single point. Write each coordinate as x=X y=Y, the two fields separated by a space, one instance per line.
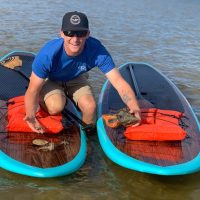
x=162 y=33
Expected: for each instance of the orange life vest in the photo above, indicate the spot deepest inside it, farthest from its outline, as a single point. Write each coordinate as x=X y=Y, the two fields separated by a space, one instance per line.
x=16 y=114
x=157 y=125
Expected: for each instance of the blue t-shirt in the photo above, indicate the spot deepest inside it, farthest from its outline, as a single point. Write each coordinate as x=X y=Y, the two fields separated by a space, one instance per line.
x=52 y=61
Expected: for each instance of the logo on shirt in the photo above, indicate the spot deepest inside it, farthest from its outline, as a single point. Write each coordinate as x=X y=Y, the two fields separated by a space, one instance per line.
x=82 y=68
x=75 y=19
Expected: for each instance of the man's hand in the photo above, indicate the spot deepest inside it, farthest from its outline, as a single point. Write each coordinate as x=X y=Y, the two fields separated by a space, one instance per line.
x=34 y=124
x=137 y=114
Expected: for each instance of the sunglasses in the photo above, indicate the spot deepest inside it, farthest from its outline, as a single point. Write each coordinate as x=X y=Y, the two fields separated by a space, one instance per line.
x=75 y=33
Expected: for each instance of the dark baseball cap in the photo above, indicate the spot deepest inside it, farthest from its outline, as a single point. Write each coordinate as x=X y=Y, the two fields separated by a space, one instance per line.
x=75 y=21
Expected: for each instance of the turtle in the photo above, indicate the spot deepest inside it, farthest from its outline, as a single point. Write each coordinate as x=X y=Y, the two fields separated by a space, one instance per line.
x=40 y=142
x=46 y=145
x=121 y=118
x=12 y=62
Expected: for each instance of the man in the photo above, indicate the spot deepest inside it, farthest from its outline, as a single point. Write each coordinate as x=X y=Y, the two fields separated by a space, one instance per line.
x=61 y=67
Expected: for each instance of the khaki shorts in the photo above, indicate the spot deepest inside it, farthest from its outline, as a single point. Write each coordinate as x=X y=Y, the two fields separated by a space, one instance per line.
x=75 y=88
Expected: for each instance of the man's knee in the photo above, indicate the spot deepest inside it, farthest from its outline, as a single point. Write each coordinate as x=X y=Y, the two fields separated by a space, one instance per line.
x=87 y=104
x=55 y=104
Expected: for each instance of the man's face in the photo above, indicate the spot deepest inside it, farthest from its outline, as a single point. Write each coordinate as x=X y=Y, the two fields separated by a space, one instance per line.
x=74 y=41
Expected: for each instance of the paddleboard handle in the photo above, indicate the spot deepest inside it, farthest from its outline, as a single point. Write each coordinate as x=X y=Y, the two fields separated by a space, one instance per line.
x=143 y=101
x=137 y=91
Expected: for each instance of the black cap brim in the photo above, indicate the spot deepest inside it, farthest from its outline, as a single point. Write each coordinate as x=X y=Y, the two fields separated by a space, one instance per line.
x=76 y=29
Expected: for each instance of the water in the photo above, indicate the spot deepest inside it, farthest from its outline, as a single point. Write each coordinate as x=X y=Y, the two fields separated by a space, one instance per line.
x=162 y=33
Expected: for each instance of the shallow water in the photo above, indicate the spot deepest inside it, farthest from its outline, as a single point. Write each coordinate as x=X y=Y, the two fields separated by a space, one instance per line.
x=164 y=34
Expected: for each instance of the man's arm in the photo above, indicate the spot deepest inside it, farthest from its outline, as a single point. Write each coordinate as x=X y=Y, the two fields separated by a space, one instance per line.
x=125 y=91
x=32 y=102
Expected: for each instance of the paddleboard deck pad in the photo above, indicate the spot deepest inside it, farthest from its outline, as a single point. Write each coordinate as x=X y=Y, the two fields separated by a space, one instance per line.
x=154 y=157
x=62 y=153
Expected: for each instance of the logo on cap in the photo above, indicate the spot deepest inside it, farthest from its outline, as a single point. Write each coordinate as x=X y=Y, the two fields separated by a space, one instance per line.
x=75 y=19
